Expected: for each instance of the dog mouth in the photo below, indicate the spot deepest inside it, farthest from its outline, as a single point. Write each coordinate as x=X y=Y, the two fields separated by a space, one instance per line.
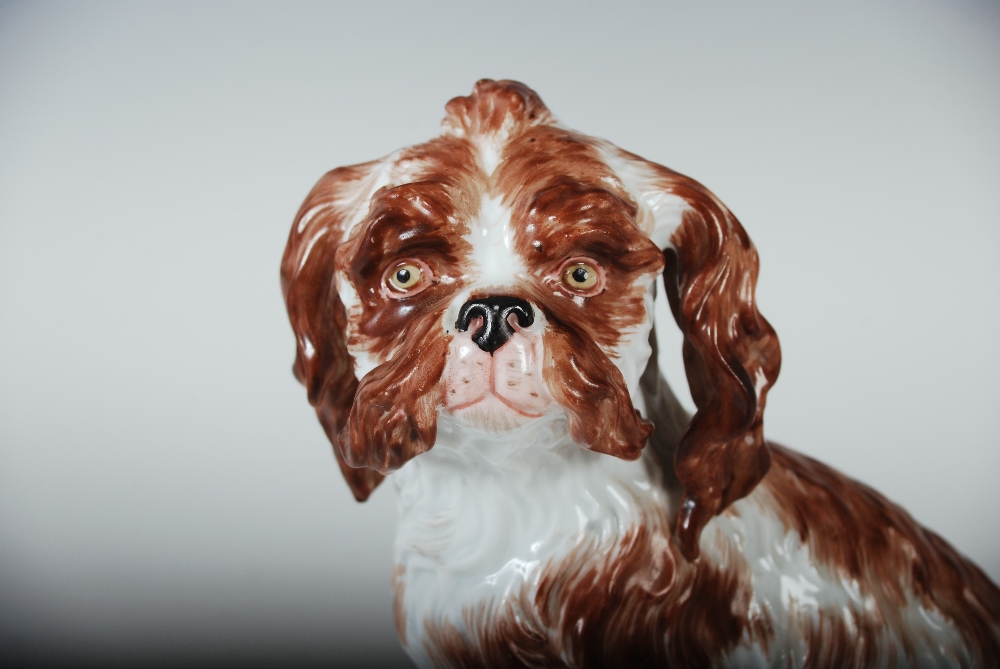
x=500 y=389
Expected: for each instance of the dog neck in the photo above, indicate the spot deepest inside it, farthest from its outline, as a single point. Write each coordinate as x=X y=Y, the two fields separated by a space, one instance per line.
x=487 y=498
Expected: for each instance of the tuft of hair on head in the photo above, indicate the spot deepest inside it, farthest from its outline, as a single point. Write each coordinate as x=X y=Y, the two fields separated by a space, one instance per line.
x=493 y=107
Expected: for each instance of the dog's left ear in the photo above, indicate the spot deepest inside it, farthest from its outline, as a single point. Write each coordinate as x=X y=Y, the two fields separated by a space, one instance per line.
x=731 y=352
x=322 y=362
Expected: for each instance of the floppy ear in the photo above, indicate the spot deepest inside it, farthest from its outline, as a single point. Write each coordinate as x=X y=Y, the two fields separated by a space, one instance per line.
x=322 y=362
x=731 y=352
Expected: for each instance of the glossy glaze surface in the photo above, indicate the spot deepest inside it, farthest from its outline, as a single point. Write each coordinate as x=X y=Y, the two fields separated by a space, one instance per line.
x=514 y=399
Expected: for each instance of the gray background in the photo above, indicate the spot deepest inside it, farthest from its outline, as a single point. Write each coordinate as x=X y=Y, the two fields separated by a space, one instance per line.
x=165 y=490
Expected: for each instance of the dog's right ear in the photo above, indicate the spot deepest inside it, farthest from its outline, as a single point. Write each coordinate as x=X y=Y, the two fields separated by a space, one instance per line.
x=319 y=319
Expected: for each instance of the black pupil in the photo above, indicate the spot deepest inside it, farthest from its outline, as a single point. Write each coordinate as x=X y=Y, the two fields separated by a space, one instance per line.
x=403 y=275
x=579 y=275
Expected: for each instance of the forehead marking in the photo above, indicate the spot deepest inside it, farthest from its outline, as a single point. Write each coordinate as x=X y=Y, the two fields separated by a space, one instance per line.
x=492 y=242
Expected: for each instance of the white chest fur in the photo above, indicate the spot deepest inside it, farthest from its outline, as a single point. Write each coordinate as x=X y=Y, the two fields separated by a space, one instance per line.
x=481 y=515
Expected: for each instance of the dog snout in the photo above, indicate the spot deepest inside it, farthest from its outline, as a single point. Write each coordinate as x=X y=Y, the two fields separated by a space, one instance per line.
x=496 y=313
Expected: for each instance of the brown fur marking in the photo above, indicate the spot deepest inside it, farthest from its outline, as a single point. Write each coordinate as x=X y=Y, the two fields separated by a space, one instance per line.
x=592 y=391
x=858 y=534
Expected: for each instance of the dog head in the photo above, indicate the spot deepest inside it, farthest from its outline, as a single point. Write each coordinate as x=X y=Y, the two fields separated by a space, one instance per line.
x=502 y=271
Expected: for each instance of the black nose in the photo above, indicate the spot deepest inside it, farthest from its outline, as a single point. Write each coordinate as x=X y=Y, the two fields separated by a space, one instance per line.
x=495 y=312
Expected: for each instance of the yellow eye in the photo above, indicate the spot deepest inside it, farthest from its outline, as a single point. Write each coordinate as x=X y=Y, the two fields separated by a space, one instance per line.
x=406 y=277
x=580 y=275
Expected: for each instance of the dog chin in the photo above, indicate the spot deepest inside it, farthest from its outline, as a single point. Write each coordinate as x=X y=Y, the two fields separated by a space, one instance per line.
x=491 y=414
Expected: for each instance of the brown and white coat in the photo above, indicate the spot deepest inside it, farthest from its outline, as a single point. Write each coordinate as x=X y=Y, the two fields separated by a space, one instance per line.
x=558 y=508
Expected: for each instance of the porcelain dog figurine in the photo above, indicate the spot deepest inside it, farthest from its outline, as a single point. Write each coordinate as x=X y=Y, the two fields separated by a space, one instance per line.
x=475 y=314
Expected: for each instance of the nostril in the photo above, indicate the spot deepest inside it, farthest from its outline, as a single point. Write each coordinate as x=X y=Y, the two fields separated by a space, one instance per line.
x=495 y=312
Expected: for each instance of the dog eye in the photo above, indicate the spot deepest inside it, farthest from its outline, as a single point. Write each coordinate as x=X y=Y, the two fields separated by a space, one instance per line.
x=408 y=277
x=580 y=275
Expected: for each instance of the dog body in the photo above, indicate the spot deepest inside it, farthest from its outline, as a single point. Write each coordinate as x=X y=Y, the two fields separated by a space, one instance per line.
x=475 y=315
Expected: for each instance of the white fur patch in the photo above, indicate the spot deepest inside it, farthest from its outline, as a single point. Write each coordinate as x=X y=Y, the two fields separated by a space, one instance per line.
x=794 y=591
x=363 y=361
x=660 y=213
x=496 y=263
x=633 y=350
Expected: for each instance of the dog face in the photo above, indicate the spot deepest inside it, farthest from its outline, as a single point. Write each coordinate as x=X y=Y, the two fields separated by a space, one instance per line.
x=502 y=272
